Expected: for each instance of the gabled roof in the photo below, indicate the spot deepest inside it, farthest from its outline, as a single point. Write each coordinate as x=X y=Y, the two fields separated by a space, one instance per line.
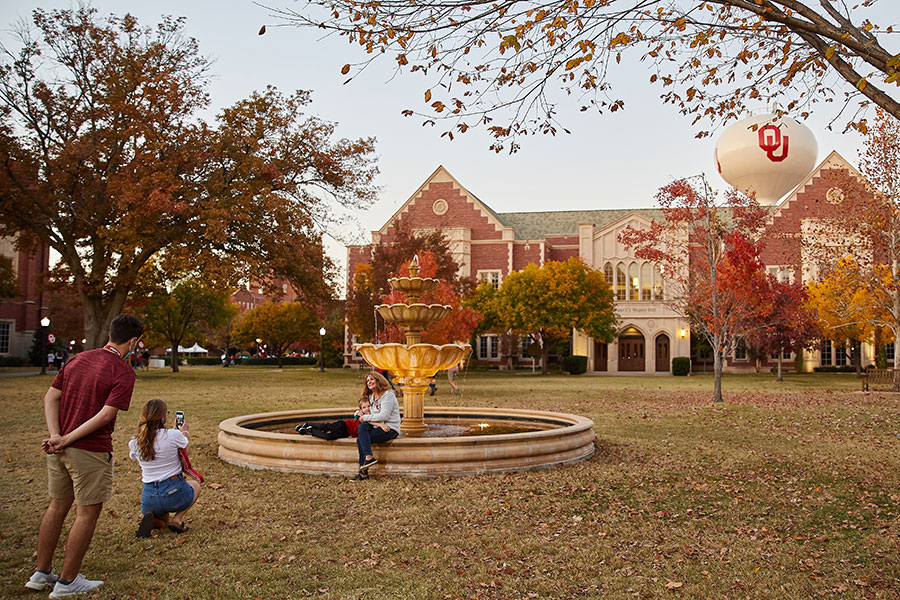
x=833 y=161
x=442 y=175
x=539 y=225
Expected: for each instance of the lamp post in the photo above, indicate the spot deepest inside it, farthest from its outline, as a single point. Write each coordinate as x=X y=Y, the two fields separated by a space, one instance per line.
x=45 y=323
x=322 y=350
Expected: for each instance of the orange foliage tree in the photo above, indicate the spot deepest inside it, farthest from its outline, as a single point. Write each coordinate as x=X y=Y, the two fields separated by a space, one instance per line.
x=500 y=64
x=551 y=300
x=103 y=157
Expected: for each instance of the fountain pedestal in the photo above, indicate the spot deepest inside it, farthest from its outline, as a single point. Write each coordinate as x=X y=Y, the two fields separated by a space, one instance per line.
x=413 y=421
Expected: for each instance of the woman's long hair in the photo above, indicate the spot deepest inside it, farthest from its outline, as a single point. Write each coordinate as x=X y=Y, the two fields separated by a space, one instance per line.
x=153 y=418
x=381 y=386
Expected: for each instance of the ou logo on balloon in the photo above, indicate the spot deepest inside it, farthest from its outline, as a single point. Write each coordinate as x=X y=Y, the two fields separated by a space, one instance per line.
x=770 y=140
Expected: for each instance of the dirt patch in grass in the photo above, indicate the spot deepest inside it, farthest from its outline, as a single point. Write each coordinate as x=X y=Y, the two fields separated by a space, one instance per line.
x=785 y=491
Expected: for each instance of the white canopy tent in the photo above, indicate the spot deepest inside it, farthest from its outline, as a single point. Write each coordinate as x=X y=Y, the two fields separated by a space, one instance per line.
x=195 y=349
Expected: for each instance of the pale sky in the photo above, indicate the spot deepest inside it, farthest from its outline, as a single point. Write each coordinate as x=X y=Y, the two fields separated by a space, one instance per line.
x=609 y=161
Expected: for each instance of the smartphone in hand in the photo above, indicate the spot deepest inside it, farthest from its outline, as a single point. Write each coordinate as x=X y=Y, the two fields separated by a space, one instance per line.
x=179 y=418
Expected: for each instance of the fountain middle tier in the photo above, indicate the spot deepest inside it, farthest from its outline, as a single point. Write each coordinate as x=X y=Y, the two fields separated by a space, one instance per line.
x=418 y=360
x=413 y=316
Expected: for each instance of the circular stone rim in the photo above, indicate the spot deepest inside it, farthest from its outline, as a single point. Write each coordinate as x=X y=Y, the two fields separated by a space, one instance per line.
x=410 y=456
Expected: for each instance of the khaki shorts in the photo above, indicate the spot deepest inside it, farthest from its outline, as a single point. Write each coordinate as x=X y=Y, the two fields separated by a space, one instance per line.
x=80 y=473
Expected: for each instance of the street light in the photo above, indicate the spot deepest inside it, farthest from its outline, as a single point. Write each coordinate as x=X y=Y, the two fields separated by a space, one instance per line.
x=322 y=350
x=45 y=323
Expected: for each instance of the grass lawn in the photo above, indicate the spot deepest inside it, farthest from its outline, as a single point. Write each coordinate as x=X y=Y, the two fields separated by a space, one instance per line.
x=788 y=490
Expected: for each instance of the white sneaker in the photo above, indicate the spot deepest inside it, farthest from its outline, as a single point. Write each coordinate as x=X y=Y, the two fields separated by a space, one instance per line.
x=79 y=585
x=42 y=581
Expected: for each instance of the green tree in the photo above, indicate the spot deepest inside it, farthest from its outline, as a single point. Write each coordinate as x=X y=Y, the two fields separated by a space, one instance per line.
x=184 y=312
x=278 y=325
x=552 y=300
x=103 y=157
x=501 y=65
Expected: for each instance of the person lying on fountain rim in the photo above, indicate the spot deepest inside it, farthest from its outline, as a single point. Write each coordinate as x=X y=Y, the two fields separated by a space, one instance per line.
x=385 y=411
x=342 y=428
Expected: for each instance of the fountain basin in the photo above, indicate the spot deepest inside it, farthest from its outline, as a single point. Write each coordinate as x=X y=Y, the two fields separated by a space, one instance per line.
x=417 y=360
x=555 y=439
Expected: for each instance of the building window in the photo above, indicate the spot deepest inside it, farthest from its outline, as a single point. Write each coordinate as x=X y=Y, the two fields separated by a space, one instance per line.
x=889 y=352
x=740 y=350
x=488 y=347
x=658 y=290
x=646 y=282
x=840 y=355
x=492 y=277
x=781 y=274
x=620 y=282
x=634 y=282
x=825 y=354
x=524 y=343
x=4 y=338
x=608 y=273
x=784 y=356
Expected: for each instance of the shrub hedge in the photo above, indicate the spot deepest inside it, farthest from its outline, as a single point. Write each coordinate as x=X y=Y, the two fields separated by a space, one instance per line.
x=681 y=365
x=13 y=361
x=285 y=361
x=834 y=369
x=575 y=365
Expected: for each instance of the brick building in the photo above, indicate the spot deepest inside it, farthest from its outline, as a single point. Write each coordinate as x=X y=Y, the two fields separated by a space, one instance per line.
x=488 y=245
x=20 y=316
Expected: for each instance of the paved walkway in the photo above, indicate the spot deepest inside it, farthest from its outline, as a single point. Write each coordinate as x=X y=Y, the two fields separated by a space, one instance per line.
x=24 y=373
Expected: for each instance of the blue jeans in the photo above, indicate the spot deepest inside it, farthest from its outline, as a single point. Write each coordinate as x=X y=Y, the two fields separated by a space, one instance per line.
x=369 y=434
x=167 y=496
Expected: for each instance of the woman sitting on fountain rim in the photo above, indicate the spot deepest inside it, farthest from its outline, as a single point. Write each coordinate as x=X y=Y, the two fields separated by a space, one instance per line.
x=384 y=409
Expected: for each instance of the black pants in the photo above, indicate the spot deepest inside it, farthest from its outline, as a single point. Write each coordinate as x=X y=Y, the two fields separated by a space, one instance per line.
x=329 y=431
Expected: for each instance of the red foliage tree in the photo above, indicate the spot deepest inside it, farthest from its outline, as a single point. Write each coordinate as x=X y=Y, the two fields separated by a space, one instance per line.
x=784 y=322
x=458 y=326
x=709 y=257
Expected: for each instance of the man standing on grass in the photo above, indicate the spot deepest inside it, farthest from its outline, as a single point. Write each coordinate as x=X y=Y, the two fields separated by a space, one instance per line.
x=80 y=408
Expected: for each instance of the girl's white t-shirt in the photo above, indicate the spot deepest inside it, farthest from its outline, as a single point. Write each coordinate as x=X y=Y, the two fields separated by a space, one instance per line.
x=167 y=461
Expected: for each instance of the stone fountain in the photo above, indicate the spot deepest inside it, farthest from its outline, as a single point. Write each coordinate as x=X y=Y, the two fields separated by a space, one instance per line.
x=454 y=441
x=415 y=363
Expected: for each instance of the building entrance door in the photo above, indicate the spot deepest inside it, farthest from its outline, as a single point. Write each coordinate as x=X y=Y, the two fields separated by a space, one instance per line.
x=662 y=353
x=631 y=351
x=601 y=350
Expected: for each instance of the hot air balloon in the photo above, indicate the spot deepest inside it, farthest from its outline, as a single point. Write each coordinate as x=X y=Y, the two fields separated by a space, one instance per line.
x=766 y=155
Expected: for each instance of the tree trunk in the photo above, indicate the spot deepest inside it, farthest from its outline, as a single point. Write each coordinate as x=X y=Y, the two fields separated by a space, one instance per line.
x=174 y=357
x=896 y=387
x=279 y=360
x=717 y=376
x=780 y=378
x=545 y=358
x=97 y=318
x=857 y=359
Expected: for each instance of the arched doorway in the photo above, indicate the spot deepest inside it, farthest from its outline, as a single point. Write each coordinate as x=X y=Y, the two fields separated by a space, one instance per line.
x=662 y=353
x=631 y=350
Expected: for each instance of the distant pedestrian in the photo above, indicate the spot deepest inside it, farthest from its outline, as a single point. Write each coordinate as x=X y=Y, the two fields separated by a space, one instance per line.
x=452 y=372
